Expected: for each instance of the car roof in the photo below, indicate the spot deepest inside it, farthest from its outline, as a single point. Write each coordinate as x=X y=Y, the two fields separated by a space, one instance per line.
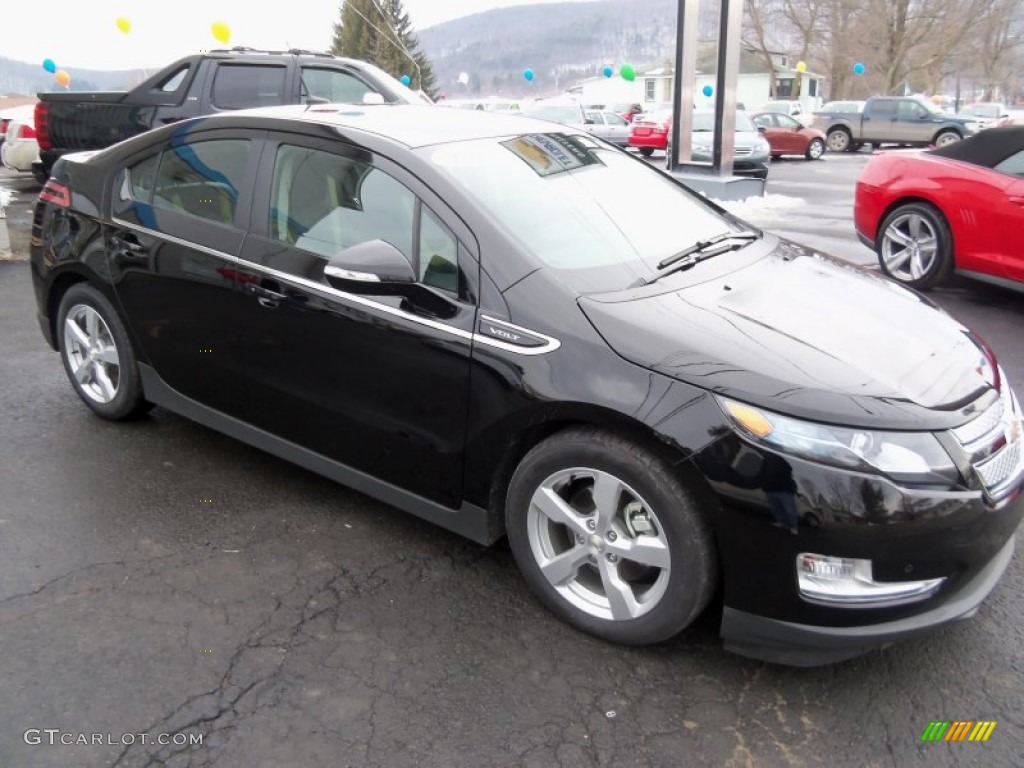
x=413 y=125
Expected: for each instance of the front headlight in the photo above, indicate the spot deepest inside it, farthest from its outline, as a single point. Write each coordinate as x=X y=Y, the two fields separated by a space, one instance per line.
x=914 y=458
x=704 y=149
x=762 y=146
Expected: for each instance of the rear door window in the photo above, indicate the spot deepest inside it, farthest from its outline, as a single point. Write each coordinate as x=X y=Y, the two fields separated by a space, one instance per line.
x=201 y=179
x=238 y=86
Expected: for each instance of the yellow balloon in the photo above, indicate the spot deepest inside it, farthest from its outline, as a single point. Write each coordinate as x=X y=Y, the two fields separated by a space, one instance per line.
x=801 y=66
x=63 y=77
x=221 y=31
x=124 y=25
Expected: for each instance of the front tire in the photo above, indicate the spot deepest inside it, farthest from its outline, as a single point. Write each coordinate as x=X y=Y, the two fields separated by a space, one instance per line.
x=815 y=149
x=915 y=246
x=609 y=537
x=97 y=355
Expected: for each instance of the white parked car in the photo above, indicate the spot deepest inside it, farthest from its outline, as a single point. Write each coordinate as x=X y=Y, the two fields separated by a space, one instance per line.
x=610 y=126
x=19 y=149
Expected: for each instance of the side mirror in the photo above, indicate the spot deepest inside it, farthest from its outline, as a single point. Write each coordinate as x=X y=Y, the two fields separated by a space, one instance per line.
x=761 y=129
x=371 y=97
x=374 y=268
x=588 y=121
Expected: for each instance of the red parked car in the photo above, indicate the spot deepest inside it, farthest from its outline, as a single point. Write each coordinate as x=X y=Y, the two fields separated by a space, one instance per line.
x=959 y=208
x=788 y=136
x=649 y=131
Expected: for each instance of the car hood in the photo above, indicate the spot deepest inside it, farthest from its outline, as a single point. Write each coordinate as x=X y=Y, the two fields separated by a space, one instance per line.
x=801 y=333
x=743 y=138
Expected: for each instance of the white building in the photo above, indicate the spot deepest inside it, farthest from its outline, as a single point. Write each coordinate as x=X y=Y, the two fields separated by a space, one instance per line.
x=752 y=86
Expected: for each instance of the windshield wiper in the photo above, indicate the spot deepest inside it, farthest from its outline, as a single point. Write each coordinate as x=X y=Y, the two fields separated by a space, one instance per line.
x=701 y=250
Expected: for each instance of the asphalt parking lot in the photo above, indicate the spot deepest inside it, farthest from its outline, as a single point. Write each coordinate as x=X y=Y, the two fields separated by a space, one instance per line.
x=160 y=579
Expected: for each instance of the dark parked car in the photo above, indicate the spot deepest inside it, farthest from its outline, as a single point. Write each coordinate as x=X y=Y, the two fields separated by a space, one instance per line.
x=456 y=313
x=202 y=84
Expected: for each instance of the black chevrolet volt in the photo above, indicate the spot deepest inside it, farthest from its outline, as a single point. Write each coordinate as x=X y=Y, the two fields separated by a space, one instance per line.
x=477 y=319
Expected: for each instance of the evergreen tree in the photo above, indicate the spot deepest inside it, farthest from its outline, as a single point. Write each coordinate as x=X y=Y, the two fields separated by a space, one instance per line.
x=379 y=31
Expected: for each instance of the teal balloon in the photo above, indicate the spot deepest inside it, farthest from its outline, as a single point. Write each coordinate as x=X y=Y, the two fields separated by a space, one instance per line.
x=50 y=65
x=528 y=74
x=406 y=80
x=628 y=72
x=707 y=90
x=608 y=71
x=859 y=68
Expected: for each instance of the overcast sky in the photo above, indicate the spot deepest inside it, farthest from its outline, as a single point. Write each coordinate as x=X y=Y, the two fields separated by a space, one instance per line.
x=84 y=33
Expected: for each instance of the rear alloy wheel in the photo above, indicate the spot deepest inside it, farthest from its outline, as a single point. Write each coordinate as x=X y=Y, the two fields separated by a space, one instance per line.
x=915 y=246
x=609 y=538
x=646 y=151
x=838 y=140
x=815 y=149
x=946 y=138
x=97 y=356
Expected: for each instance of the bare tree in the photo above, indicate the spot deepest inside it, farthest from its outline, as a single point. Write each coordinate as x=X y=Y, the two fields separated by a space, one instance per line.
x=760 y=17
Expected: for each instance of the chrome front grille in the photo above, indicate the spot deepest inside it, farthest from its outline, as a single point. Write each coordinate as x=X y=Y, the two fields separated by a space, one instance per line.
x=988 y=423
x=742 y=151
x=993 y=443
x=1001 y=467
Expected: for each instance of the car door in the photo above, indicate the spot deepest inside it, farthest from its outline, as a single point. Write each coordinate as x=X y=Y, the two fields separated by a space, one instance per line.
x=1013 y=248
x=179 y=216
x=878 y=122
x=596 y=125
x=377 y=383
x=766 y=123
x=789 y=136
x=616 y=129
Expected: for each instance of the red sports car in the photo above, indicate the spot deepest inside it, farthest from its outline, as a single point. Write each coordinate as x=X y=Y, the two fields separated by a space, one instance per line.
x=788 y=136
x=959 y=208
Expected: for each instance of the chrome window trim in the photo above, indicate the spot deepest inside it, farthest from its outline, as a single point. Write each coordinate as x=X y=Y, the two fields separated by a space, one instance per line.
x=551 y=343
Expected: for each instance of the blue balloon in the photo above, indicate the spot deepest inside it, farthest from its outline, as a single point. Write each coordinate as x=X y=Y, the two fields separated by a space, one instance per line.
x=406 y=79
x=528 y=74
x=608 y=71
x=859 y=68
x=707 y=90
x=50 y=65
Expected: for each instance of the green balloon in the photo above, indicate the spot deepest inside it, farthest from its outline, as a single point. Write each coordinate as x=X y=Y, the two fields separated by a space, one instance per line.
x=627 y=72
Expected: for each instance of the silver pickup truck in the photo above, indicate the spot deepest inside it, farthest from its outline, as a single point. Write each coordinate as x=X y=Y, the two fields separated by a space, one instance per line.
x=892 y=120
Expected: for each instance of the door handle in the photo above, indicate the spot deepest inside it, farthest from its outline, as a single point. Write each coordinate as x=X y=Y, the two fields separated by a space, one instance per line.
x=127 y=245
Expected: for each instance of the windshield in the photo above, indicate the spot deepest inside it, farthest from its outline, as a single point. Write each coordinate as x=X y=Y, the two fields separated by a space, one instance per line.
x=600 y=218
x=555 y=113
x=981 y=110
x=704 y=122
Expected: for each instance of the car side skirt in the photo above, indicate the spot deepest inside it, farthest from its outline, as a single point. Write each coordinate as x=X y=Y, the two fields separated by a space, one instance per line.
x=1002 y=282
x=475 y=523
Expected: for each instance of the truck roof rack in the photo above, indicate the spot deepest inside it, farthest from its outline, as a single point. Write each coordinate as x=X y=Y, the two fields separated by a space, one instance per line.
x=257 y=51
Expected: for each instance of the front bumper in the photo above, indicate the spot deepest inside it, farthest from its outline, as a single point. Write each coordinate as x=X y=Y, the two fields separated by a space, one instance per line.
x=804 y=645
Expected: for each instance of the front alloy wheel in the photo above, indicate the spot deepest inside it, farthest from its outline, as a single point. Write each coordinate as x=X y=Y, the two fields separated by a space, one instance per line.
x=610 y=536
x=598 y=543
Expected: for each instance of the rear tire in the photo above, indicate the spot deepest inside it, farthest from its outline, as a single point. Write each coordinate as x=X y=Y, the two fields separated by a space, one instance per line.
x=97 y=354
x=609 y=538
x=945 y=138
x=839 y=140
x=646 y=151
x=915 y=246
x=815 y=149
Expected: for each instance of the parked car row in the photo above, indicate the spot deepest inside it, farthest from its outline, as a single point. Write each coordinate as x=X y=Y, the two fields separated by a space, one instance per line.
x=18 y=146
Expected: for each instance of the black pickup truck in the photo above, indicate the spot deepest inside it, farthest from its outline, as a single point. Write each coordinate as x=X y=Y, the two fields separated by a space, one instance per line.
x=203 y=84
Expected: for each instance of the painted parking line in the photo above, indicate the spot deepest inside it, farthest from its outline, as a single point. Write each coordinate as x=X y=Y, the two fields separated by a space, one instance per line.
x=6 y=196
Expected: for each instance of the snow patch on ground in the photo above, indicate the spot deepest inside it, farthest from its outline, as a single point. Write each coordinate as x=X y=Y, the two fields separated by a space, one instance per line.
x=767 y=208
x=6 y=196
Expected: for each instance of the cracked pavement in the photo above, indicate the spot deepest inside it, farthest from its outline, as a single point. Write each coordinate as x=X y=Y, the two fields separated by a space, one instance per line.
x=292 y=622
